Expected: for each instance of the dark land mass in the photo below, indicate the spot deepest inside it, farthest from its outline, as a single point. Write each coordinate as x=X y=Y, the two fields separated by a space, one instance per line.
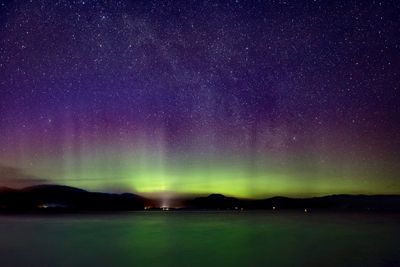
x=53 y=198
x=329 y=203
x=58 y=198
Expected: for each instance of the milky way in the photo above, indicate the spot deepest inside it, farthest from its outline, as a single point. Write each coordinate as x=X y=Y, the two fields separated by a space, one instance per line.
x=245 y=98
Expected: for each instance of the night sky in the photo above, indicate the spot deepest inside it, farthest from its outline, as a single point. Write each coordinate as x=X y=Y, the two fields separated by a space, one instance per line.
x=244 y=98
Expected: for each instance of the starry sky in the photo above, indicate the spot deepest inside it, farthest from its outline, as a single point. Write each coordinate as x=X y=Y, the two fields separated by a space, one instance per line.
x=245 y=98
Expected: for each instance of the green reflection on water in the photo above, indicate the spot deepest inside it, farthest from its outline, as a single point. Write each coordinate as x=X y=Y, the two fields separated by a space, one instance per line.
x=200 y=239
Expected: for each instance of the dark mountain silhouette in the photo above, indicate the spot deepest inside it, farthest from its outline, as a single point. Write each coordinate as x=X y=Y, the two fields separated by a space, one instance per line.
x=65 y=198
x=6 y=189
x=214 y=201
x=59 y=198
x=331 y=203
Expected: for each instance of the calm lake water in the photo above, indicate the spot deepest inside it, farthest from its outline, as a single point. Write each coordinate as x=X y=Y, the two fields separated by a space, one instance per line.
x=200 y=239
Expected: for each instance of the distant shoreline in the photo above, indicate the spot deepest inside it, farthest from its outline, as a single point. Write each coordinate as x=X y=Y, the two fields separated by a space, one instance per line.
x=45 y=199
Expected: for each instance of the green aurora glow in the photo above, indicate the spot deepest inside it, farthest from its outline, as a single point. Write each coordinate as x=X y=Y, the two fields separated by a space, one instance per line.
x=245 y=98
x=153 y=172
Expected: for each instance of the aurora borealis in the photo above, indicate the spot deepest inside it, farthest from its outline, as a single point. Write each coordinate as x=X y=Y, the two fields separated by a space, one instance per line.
x=243 y=98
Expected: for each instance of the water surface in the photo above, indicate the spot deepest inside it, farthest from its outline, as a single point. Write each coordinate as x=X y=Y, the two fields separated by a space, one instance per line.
x=201 y=239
